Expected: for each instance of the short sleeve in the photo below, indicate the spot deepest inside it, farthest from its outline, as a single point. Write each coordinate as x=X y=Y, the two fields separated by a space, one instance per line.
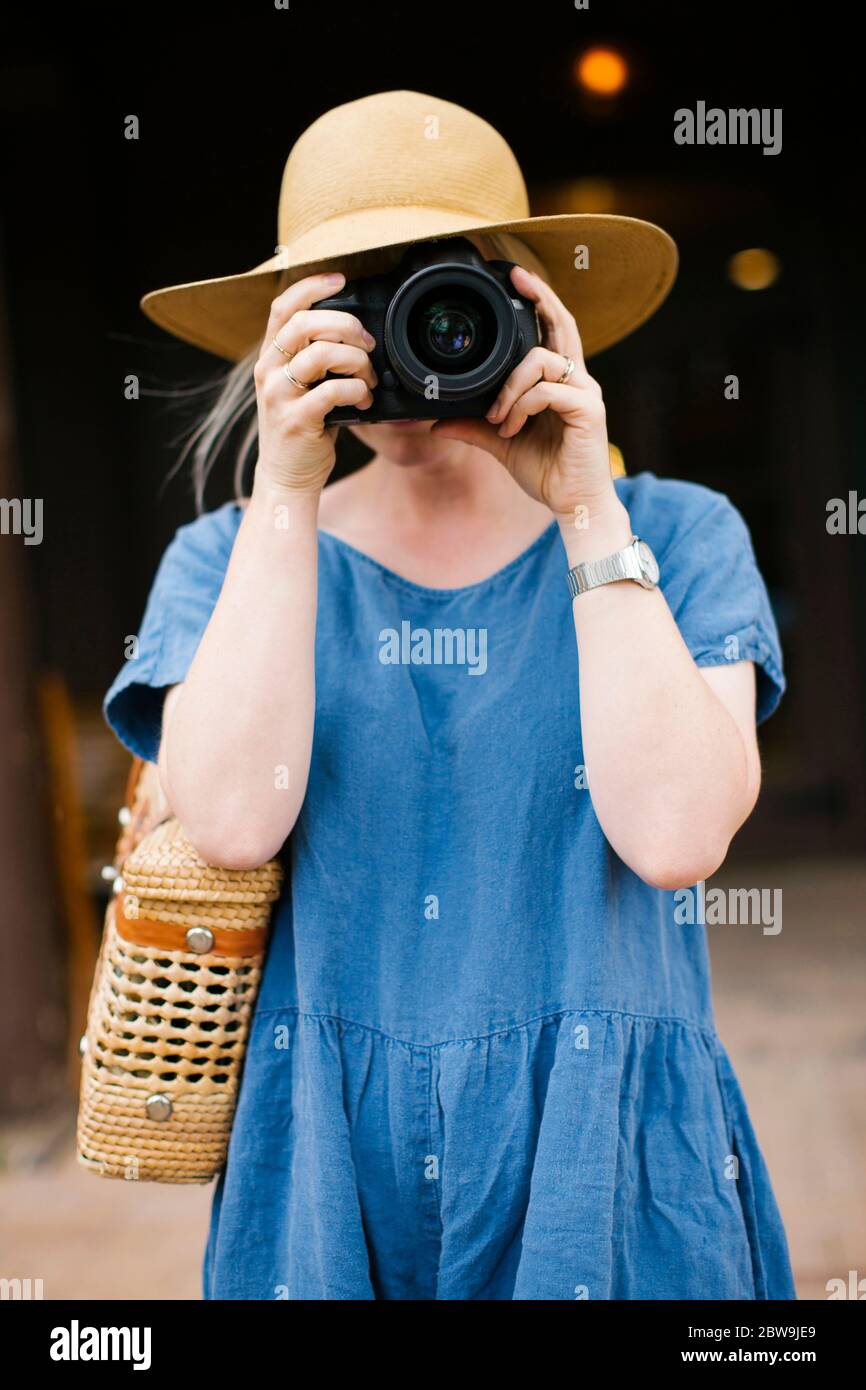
x=181 y=600
x=711 y=579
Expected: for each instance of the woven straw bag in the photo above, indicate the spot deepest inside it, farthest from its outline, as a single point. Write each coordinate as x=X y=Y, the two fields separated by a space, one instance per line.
x=172 y=997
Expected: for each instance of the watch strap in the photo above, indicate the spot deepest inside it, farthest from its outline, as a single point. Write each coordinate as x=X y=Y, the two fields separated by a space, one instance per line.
x=590 y=574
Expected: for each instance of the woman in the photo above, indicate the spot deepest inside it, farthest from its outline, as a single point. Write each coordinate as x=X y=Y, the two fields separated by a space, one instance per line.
x=483 y=1063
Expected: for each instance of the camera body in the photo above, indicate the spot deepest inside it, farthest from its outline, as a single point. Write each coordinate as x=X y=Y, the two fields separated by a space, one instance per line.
x=449 y=328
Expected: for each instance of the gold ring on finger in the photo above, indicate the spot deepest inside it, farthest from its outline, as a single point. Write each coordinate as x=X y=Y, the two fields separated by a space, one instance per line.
x=569 y=368
x=301 y=385
x=281 y=349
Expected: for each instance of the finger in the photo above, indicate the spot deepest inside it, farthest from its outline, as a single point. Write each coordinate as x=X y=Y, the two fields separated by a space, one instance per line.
x=560 y=326
x=311 y=408
x=301 y=295
x=306 y=326
x=572 y=403
x=312 y=363
x=539 y=364
x=477 y=432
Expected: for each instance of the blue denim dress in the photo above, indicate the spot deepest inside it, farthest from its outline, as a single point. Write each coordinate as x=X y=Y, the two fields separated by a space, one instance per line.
x=483 y=1064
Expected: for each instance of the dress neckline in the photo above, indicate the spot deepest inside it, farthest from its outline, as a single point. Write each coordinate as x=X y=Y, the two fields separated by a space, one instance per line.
x=503 y=572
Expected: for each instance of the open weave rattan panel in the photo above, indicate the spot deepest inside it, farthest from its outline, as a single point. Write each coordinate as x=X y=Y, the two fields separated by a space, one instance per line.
x=170 y=1024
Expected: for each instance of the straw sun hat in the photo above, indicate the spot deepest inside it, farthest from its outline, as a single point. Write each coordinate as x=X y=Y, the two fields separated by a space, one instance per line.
x=399 y=167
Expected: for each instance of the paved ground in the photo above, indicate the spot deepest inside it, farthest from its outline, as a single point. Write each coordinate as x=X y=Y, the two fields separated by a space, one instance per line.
x=790 y=1010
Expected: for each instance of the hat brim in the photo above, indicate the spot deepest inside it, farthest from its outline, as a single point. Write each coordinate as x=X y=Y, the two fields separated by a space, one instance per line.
x=630 y=266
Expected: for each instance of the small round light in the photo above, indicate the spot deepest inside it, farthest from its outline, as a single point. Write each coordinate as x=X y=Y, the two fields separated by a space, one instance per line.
x=754 y=269
x=601 y=71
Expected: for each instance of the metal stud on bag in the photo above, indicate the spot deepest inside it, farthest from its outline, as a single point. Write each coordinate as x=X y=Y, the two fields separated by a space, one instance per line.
x=158 y=1107
x=200 y=940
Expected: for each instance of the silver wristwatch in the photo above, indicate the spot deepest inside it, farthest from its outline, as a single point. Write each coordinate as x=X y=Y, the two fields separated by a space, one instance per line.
x=635 y=562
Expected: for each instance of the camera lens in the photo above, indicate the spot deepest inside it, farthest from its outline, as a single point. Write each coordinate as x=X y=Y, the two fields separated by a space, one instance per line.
x=452 y=330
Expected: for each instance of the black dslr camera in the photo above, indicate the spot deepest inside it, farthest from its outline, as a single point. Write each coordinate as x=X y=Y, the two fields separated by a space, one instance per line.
x=449 y=328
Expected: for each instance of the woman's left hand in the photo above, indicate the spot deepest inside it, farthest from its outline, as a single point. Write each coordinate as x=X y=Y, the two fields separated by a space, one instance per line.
x=562 y=459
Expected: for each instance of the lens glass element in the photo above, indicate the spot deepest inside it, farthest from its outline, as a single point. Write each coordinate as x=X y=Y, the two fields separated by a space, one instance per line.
x=451 y=332
x=452 y=329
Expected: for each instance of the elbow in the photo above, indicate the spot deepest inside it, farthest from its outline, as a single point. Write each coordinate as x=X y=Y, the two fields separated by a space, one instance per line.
x=232 y=830
x=232 y=854
x=681 y=845
x=669 y=866
x=235 y=844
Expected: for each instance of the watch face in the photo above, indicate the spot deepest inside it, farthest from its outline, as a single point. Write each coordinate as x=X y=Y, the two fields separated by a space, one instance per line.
x=648 y=562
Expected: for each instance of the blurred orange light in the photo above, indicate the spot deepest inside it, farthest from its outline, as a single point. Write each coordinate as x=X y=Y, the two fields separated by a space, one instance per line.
x=617 y=462
x=754 y=269
x=602 y=71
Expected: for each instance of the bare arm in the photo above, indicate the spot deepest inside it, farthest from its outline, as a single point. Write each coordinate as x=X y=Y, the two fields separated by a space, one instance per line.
x=237 y=734
x=670 y=749
x=671 y=752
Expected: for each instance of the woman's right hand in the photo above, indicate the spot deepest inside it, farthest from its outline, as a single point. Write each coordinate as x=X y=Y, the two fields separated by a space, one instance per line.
x=296 y=448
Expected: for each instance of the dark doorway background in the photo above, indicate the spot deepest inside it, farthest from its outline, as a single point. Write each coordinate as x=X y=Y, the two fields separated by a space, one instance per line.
x=91 y=221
